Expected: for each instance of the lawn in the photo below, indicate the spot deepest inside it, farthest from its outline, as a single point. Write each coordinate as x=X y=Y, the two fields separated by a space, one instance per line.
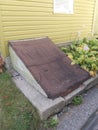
x=16 y=112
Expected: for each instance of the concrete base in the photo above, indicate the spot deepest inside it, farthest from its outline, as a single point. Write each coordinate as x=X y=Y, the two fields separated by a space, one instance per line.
x=45 y=106
x=19 y=66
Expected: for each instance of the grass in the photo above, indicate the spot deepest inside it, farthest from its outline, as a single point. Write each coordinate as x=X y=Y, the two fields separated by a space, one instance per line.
x=16 y=112
x=77 y=100
x=50 y=123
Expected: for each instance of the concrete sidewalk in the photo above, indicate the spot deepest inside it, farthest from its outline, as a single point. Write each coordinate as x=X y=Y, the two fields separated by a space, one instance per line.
x=77 y=116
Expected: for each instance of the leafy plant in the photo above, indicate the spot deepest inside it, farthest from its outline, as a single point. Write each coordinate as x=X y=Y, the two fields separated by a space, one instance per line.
x=77 y=100
x=85 y=54
x=52 y=122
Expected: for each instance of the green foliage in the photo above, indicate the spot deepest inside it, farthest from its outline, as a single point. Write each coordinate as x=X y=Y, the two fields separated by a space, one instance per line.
x=85 y=54
x=77 y=100
x=16 y=112
x=52 y=122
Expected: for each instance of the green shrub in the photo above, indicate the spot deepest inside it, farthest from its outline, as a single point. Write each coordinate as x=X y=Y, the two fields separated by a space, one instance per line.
x=85 y=54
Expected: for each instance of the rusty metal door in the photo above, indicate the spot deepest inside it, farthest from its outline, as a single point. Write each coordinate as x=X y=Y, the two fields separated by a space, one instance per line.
x=50 y=67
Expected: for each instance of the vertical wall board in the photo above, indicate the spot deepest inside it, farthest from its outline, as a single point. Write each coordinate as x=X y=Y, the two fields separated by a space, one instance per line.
x=95 y=27
x=35 y=18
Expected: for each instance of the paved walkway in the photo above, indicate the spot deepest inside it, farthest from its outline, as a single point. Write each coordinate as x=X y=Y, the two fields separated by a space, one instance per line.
x=92 y=123
x=77 y=116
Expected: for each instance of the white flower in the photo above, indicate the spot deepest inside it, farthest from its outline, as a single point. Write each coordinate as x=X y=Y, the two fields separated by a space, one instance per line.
x=86 y=48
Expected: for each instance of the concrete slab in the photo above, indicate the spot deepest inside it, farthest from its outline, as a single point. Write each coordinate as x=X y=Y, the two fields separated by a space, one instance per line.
x=76 y=92
x=91 y=82
x=19 y=65
x=44 y=105
x=85 y=86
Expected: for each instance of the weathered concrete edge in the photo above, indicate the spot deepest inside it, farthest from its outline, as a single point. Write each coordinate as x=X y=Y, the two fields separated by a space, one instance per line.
x=45 y=106
x=85 y=86
x=19 y=66
x=91 y=82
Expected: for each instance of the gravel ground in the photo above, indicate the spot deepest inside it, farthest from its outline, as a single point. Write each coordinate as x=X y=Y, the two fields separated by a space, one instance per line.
x=96 y=127
x=76 y=116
